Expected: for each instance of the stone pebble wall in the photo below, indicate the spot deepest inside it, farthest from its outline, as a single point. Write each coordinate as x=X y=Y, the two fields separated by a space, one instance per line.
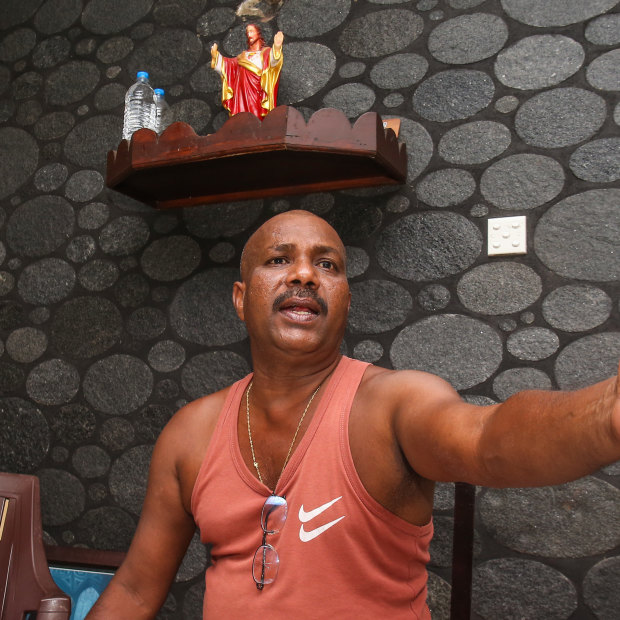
x=113 y=315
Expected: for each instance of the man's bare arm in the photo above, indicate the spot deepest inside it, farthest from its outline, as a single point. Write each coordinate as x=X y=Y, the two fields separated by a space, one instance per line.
x=141 y=584
x=534 y=438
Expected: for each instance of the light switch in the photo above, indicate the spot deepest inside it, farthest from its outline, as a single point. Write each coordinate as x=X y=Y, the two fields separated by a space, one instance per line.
x=507 y=235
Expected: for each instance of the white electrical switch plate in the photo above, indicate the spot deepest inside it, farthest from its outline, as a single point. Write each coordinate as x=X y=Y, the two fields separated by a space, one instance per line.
x=507 y=235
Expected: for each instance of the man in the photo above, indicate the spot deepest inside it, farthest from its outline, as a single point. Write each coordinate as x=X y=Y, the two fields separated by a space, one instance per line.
x=250 y=81
x=324 y=466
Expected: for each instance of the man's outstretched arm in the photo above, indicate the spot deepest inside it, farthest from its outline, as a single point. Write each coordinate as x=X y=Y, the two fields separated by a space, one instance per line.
x=141 y=584
x=534 y=438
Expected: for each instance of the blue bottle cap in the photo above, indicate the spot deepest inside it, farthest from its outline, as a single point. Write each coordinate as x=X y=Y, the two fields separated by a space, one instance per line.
x=143 y=74
x=159 y=92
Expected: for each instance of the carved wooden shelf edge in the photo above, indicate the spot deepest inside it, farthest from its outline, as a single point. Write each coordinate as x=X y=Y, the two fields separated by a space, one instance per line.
x=249 y=159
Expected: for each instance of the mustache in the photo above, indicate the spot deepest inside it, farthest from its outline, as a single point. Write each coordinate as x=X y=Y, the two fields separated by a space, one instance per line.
x=300 y=293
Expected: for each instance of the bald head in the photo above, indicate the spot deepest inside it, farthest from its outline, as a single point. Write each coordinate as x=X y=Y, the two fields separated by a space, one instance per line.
x=285 y=228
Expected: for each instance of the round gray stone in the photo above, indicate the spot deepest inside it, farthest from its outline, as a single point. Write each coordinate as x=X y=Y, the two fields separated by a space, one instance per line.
x=428 y=246
x=15 y=12
x=221 y=220
x=603 y=72
x=116 y=434
x=522 y=181
x=600 y=588
x=318 y=203
x=11 y=377
x=555 y=12
x=588 y=360
x=307 y=69
x=26 y=344
x=597 y=161
x=111 y=16
x=539 y=61
x=368 y=351
x=98 y=275
x=132 y=290
x=399 y=71
x=433 y=297
x=114 y=49
x=53 y=382
x=50 y=177
x=93 y=215
x=17 y=44
x=579 y=236
x=166 y=356
x=468 y=38
x=351 y=69
x=150 y=421
x=170 y=55
x=446 y=188
x=73 y=424
x=25 y=235
x=355 y=221
x=173 y=13
x=202 y=310
x=353 y=99
x=194 y=112
x=7 y=282
x=108 y=528
x=357 y=261
x=71 y=82
x=26 y=86
x=560 y=117
x=171 y=258
x=312 y=18
x=118 y=384
x=393 y=100
x=499 y=288
x=453 y=95
x=81 y=248
x=18 y=159
x=576 y=308
x=46 y=281
x=533 y=343
x=462 y=350
x=51 y=52
x=222 y=252
x=85 y=327
x=90 y=461
x=418 y=158
x=128 y=477
x=56 y=15
x=443 y=498
x=24 y=436
x=464 y=4
x=62 y=496
x=380 y=33
x=574 y=520
x=84 y=185
x=474 y=143
x=438 y=597
x=146 y=323
x=124 y=235
x=109 y=97
x=215 y=21
x=514 y=588
x=54 y=125
x=209 y=372
x=604 y=30
x=378 y=306
x=87 y=145
x=515 y=380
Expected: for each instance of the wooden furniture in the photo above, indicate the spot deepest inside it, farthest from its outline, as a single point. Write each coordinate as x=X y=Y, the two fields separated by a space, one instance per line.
x=25 y=582
x=249 y=159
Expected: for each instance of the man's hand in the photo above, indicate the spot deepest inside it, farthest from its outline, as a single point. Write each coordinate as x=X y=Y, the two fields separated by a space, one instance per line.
x=278 y=39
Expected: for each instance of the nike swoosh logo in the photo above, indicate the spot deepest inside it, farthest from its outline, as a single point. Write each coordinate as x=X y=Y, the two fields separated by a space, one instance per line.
x=312 y=534
x=304 y=516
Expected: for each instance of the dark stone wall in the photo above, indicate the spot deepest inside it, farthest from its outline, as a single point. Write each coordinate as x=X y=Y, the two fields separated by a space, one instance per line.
x=113 y=315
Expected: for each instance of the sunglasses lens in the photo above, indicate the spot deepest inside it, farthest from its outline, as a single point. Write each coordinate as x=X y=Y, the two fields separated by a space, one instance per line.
x=266 y=562
x=274 y=514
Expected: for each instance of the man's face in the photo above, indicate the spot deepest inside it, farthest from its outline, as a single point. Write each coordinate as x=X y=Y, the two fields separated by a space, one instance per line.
x=251 y=32
x=294 y=295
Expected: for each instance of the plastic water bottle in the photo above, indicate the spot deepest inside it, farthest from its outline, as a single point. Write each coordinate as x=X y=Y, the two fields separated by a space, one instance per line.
x=161 y=111
x=138 y=106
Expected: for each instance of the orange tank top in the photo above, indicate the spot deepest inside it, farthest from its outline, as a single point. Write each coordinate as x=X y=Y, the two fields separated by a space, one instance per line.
x=342 y=555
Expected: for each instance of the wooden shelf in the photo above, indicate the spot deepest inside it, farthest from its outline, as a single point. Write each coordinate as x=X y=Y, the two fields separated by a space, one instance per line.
x=248 y=158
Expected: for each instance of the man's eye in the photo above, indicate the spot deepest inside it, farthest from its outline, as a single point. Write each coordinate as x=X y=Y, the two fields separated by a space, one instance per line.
x=278 y=260
x=326 y=264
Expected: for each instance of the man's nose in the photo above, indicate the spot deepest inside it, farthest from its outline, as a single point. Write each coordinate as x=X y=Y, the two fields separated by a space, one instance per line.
x=303 y=273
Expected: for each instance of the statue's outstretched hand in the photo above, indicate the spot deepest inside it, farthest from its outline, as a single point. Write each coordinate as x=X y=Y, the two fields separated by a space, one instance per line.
x=214 y=51
x=278 y=39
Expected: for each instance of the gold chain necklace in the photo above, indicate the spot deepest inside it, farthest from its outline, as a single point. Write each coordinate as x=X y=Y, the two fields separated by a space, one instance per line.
x=288 y=456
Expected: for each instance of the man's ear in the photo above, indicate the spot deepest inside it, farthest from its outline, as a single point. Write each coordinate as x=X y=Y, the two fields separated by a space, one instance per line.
x=238 y=297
